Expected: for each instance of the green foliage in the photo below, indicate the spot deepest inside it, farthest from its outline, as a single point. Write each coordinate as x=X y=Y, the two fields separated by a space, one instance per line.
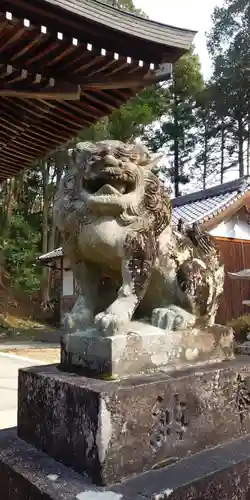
x=175 y=135
x=20 y=247
x=207 y=138
x=241 y=327
x=229 y=46
x=230 y=23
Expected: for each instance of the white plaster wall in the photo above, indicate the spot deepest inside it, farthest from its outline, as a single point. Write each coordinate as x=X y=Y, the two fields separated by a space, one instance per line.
x=68 y=283
x=236 y=227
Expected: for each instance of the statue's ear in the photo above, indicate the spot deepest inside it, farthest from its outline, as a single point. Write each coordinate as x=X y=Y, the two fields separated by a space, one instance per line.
x=150 y=163
x=81 y=149
x=75 y=157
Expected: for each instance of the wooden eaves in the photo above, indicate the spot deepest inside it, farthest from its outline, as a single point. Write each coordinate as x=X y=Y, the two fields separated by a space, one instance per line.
x=64 y=64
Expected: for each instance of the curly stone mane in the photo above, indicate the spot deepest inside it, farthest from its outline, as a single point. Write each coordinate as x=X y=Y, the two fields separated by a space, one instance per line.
x=157 y=205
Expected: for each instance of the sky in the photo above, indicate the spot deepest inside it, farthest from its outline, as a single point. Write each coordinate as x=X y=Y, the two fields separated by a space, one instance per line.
x=191 y=14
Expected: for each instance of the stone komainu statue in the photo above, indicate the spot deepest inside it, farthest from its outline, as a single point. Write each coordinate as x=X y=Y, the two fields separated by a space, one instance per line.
x=128 y=261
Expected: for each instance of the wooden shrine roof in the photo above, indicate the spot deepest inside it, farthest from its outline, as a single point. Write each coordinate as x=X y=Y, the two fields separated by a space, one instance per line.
x=64 y=64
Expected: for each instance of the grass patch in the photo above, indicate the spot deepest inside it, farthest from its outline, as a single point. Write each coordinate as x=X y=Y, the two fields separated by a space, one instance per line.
x=18 y=329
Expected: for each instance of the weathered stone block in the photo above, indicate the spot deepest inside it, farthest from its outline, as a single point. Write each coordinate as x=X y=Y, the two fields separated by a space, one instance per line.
x=146 y=349
x=29 y=474
x=112 y=429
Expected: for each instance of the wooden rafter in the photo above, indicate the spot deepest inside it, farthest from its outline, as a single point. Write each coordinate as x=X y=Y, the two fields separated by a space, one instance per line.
x=40 y=88
x=57 y=94
x=55 y=77
x=123 y=83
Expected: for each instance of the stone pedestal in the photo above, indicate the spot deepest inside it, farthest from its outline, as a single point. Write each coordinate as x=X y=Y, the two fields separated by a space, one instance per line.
x=220 y=473
x=109 y=430
x=145 y=349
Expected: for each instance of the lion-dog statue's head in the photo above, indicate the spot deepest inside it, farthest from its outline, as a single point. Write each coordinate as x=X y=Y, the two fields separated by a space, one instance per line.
x=112 y=178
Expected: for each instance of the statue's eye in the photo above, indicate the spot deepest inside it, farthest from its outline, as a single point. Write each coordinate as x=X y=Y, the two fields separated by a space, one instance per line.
x=94 y=159
x=69 y=183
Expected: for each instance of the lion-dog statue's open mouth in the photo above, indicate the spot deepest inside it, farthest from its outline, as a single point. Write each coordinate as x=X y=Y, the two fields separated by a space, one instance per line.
x=110 y=169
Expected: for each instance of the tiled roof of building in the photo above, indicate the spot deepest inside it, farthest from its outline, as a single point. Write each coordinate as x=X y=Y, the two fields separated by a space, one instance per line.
x=204 y=205
x=46 y=257
x=123 y=21
x=195 y=207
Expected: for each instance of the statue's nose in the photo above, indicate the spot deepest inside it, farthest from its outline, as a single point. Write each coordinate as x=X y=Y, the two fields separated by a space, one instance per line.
x=110 y=160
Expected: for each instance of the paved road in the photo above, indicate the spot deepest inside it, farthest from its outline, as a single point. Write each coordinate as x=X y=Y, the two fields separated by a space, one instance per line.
x=8 y=389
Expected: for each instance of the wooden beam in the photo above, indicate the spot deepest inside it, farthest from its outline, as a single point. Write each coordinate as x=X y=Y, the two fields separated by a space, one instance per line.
x=60 y=90
x=162 y=73
x=82 y=112
x=14 y=154
x=60 y=114
x=8 y=162
x=8 y=69
x=38 y=86
x=125 y=83
x=35 y=117
x=9 y=170
x=96 y=101
x=57 y=93
x=15 y=35
x=6 y=169
x=23 y=144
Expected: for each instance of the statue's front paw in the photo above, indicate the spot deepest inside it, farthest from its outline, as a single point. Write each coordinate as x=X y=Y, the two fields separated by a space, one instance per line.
x=68 y=323
x=114 y=319
x=172 y=318
x=79 y=320
x=106 y=322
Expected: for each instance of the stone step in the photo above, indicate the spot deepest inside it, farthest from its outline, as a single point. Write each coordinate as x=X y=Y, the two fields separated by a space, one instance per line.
x=220 y=473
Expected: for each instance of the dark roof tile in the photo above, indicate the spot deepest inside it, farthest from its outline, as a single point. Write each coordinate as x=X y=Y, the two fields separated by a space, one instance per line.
x=204 y=205
x=128 y=23
x=54 y=254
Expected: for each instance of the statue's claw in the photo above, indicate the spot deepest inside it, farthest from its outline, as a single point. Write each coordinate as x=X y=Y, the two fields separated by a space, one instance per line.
x=68 y=323
x=106 y=322
x=172 y=318
x=113 y=319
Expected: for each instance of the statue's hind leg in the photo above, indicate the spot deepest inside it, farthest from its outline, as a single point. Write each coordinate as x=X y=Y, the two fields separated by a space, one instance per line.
x=199 y=286
x=172 y=318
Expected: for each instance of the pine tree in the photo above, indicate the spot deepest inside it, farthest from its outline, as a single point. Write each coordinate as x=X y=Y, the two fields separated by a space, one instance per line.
x=229 y=45
x=175 y=135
